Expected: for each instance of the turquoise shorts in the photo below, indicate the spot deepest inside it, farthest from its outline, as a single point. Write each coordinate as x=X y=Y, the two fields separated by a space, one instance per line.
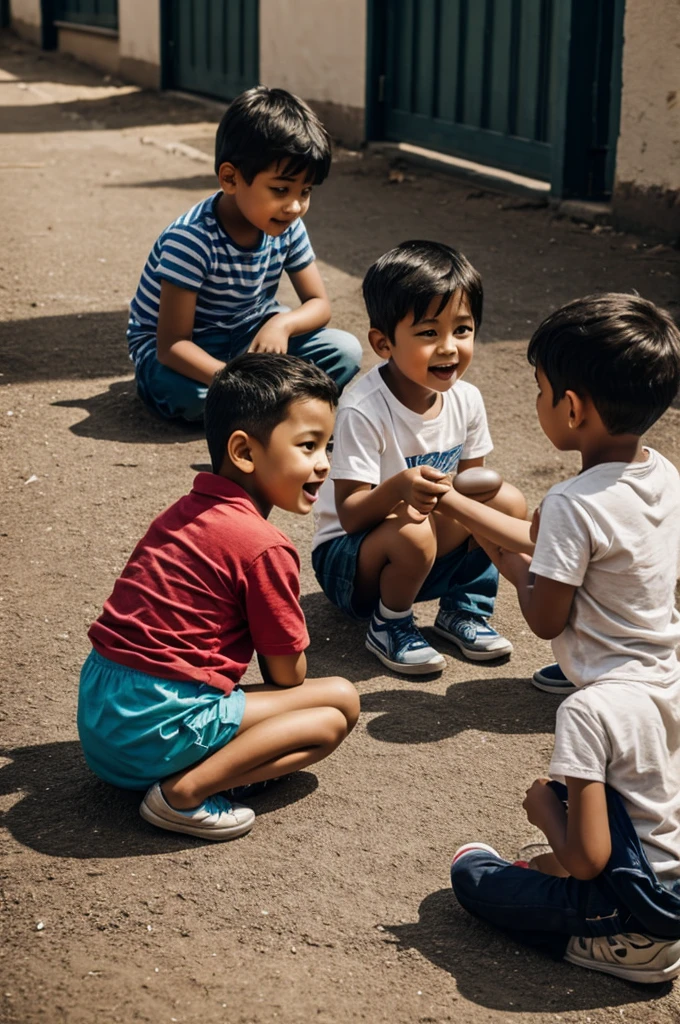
x=136 y=729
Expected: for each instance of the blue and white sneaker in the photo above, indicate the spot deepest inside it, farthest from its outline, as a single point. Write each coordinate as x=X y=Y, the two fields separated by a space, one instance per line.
x=216 y=818
x=477 y=640
x=551 y=679
x=400 y=645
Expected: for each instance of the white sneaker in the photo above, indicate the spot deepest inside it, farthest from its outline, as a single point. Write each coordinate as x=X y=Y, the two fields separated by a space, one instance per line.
x=633 y=957
x=472 y=634
x=215 y=818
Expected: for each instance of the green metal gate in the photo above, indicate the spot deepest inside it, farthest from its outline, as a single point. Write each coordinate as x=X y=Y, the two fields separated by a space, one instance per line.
x=501 y=82
x=211 y=46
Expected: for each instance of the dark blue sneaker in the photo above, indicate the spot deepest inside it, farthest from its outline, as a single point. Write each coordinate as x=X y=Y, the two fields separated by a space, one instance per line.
x=551 y=679
x=400 y=645
x=472 y=634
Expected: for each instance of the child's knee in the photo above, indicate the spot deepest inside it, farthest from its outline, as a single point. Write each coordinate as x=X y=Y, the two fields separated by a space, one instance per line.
x=418 y=540
x=510 y=500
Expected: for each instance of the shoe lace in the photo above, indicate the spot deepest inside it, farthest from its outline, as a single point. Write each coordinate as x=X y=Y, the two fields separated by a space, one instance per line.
x=406 y=633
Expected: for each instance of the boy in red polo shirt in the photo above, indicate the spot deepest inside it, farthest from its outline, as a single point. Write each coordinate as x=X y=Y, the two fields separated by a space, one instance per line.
x=212 y=581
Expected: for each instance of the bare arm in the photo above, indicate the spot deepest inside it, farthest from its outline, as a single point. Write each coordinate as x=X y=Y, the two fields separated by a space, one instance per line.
x=361 y=507
x=581 y=839
x=486 y=522
x=544 y=603
x=313 y=312
x=174 y=346
x=283 y=669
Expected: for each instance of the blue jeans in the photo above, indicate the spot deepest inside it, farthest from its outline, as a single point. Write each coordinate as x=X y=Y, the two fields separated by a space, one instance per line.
x=545 y=911
x=175 y=396
x=466 y=581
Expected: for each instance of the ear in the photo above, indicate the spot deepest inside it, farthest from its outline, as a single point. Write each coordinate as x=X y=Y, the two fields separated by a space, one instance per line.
x=577 y=409
x=239 y=451
x=226 y=175
x=380 y=343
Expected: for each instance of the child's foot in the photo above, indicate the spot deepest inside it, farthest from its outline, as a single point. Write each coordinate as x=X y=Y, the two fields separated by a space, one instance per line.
x=215 y=818
x=633 y=957
x=400 y=645
x=466 y=848
x=472 y=634
x=551 y=679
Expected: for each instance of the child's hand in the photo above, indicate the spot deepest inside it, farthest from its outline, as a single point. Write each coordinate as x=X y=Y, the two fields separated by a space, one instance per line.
x=271 y=337
x=543 y=806
x=514 y=566
x=422 y=487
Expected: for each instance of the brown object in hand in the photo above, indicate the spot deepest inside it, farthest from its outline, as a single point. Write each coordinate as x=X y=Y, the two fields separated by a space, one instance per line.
x=478 y=481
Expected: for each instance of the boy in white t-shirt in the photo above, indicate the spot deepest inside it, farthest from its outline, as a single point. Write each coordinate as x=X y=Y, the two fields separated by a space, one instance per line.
x=381 y=543
x=601 y=586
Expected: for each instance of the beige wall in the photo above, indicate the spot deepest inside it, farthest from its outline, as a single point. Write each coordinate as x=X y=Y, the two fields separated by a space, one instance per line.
x=648 y=152
x=26 y=19
x=140 y=41
x=317 y=49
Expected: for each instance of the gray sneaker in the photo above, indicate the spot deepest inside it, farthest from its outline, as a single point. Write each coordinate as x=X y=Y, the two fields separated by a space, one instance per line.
x=215 y=818
x=633 y=957
x=472 y=634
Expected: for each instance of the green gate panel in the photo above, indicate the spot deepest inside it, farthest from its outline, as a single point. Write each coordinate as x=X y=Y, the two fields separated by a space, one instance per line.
x=473 y=77
x=213 y=46
x=94 y=13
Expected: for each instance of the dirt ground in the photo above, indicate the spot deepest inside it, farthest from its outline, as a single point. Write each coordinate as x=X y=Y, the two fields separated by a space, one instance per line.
x=337 y=906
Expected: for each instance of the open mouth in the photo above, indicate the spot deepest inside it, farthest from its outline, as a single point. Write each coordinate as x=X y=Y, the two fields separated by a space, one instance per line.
x=312 y=490
x=444 y=371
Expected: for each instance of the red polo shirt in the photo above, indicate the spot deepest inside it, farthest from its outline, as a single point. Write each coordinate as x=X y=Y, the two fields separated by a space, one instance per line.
x=209 y=583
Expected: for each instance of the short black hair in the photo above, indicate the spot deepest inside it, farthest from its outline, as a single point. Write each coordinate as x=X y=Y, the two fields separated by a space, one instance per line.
x=271 y=126
x=622 y=351
x=407 y=278
x=253 y=392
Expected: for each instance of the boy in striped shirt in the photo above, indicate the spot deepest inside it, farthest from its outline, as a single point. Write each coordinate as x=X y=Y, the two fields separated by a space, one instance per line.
x=208 y=290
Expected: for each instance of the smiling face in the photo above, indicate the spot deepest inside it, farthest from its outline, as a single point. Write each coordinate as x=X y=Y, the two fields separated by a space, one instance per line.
x=270 y=203
x=289 y=470
x=432 y=354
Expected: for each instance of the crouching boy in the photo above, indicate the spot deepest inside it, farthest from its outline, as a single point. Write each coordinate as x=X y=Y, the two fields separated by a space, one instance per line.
x=409 y=424
x=601 y=586
x=211 y=581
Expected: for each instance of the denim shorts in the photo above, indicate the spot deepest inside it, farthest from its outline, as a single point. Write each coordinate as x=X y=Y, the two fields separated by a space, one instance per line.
x=136 y=728
x=335 y=565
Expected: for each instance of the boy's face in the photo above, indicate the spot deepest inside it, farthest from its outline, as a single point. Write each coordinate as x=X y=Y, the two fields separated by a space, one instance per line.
x=289 y=470
x=435 y=352
x=272 y=201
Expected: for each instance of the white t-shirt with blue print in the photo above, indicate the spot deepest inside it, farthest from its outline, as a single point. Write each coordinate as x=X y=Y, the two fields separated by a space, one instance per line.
x=235 y=287
x=376 y=436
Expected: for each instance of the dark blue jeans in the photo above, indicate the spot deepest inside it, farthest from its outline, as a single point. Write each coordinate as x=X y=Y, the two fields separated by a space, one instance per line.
x=175 y=396
x=545 y=911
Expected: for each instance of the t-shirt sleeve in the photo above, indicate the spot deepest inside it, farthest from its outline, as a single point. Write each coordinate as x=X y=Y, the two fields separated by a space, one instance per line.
x=582 y=748
x=184 y=258
x=565 y=539
x=357 y=447
x=478 y=439
x=272 y=603
x=300 y=253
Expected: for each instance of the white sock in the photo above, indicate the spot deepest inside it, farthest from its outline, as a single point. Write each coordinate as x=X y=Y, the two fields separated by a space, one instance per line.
x=387 y=613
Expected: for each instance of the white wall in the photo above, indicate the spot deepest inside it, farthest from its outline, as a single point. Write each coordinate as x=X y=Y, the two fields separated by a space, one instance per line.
x=317 y=49
x=139 y=30
x=27 y=11
x=648 y=152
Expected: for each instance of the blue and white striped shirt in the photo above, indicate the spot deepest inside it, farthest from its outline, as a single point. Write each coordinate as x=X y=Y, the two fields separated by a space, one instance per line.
x=235 y=287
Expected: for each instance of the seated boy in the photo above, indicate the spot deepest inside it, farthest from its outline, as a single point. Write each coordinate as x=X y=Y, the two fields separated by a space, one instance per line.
x=601 y=585
x=208 y=289
x=160 y=704
x=381 y=543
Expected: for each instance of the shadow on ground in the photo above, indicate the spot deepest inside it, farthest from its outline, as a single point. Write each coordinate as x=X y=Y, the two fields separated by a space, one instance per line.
x=65 y=811
x=496 y=704
x=71 y=347
x=493 y=970
x=118 y=414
